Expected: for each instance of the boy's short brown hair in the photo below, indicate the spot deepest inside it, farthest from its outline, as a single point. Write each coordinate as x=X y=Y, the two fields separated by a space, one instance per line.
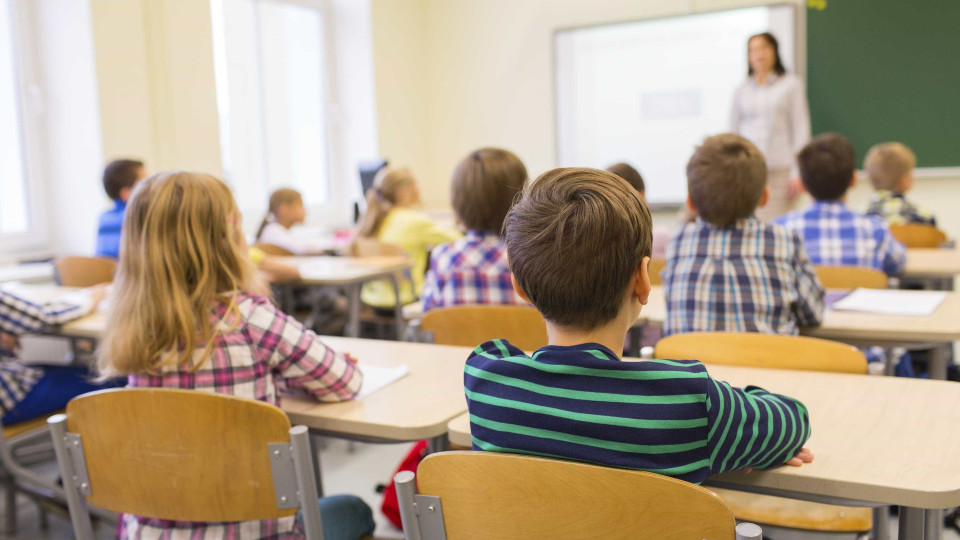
x=631 y=175
x=574 y=240
x=119 y=174
x=827 y=164
x=725 y=178
x=484 y=186
x=887 y=163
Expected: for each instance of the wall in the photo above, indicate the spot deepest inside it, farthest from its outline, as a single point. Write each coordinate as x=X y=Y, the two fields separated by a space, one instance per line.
x=481 y=74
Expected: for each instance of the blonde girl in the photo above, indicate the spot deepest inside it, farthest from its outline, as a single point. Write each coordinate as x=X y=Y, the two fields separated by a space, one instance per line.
x=183 y=317
x=391 y=219
x=286 y=210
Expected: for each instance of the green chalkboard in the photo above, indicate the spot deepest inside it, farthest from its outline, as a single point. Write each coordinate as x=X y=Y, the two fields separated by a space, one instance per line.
x=887 y=70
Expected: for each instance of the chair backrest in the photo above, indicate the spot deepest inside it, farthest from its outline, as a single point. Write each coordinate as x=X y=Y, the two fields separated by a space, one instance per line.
x=371 y=247
x=179 y=454
x=851 y=277
x=495 y=495
x=763 y=350
x=469 y=326
x=273 y=250
x=84 y=271
x=918 y=235
x=656 y=267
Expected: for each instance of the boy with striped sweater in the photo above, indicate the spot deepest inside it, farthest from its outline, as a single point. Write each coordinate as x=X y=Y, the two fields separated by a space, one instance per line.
x=579 y=245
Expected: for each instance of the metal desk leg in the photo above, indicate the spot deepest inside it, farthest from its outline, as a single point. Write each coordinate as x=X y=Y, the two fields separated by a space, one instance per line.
x=353 y=319
x=881 y=523
x=440 y=443
x=397 y=307
x=933 y=528
x=911 y=523
x=938 y=362
x=315 y=444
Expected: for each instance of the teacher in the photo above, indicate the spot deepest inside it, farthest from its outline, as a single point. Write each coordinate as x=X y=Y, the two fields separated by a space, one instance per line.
x=770 y=109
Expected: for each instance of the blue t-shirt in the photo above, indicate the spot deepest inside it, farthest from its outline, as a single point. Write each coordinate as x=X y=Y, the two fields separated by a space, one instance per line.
x=108 y=233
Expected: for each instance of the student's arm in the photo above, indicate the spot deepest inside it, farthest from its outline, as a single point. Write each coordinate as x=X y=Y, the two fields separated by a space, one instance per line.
x=430 y=296
x=277 y=271
x=20 y=316
x=810 y=292
x=892 y=254
x=276 y=234
x=429 y=233
x=750 y=427
x=298 y=357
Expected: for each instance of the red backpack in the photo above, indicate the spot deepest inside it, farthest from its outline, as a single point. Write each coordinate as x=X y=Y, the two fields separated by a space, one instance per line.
x=390 y=506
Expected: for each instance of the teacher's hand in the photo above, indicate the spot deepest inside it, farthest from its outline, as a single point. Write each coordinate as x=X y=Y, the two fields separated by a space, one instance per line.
x=795 y=188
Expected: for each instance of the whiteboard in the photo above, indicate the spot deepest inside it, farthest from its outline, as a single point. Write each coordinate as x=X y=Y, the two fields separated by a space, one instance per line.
x=648 y=92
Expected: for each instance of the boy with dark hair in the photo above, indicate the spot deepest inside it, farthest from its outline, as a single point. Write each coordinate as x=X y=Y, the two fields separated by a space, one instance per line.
x=727 y=271
x=579 y=247
x=835 y=235
x=119 y=177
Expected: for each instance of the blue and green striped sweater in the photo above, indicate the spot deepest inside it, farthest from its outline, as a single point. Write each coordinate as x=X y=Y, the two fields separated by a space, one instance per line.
x=664 y=416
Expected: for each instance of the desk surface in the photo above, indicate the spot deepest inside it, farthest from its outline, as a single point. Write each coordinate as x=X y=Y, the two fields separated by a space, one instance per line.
x=345 y=270
x=881 y=440
x=933 y=263
x=29 y=272
x=941 y=327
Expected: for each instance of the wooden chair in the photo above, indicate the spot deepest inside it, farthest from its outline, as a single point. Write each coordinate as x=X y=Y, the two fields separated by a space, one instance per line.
x=473 y=495
x=776 y=352
x=918 y=235
x=656 y=267
x=769 y=351
x=183 y=455
x=273 y=250
x=84 y=271
x=469 y=326
x=851 y=277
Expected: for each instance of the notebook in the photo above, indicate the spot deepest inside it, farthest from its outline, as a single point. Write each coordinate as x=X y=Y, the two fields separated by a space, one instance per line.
x=376 y=378
x=891 y=302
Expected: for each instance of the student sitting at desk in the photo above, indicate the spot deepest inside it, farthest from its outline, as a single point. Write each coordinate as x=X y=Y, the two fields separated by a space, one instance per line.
x=579 y=246
x=184 y=317
x=474 y=269
x=28 y=392
x=119 y=177
x=727 y=271
x=286 y=210
x=889 y=167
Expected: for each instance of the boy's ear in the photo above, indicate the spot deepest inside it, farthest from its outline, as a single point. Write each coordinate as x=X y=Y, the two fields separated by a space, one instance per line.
x=125 y=194
x=854 y=180
x=690 y=206
x=641 y=281
x=516 y=287
x=765 y=198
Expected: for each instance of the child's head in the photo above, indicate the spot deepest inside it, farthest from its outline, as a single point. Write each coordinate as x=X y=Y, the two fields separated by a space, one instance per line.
x=286 y=208
x=631 y=175
x=391 y=188
x=119 y=177
x=577 y=242
x=182 y=248
x=890 y=166
x=828 y=166
x=726 y=179
x=484 y=186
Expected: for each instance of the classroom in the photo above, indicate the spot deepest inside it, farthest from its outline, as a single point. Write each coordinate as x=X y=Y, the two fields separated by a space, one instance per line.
x=479 y=269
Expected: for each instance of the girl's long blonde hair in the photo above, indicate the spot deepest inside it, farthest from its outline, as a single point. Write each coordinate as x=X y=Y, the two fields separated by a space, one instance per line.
x=382 y=197
x=181 y=250
x=278 y=198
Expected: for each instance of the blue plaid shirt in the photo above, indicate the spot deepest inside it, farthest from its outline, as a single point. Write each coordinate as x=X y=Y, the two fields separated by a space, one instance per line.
x=472 y=270
x=743 y=277
x=834 y=235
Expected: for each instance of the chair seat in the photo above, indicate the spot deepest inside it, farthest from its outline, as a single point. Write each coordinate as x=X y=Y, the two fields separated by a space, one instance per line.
x=779 y=512
x=23 y=427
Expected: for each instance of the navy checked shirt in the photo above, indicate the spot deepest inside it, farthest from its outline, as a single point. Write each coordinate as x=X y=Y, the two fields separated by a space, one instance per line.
x=742 y=277
x=837 y=236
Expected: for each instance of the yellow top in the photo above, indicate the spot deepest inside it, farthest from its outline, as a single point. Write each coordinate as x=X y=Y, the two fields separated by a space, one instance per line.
x=257 y=255
x=416 y=234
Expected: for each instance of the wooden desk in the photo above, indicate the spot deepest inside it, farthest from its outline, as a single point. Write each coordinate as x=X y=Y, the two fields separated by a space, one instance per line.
x=942 y=327
x=933 y=268
x=876 y=440
x=349 y=273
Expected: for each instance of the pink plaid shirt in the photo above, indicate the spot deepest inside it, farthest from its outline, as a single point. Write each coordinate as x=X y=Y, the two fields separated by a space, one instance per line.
x=266 y=352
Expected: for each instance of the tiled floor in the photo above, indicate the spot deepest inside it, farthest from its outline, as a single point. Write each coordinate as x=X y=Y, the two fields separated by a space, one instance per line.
x=344 y=471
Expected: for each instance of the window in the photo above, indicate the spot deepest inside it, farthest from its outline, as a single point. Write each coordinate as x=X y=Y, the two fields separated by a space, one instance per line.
x=273 y=80
x=21 y=221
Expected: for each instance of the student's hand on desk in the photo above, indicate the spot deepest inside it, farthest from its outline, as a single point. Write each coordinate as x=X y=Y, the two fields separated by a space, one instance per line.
x=350 y=358
x=803 y=456
x=98 y=293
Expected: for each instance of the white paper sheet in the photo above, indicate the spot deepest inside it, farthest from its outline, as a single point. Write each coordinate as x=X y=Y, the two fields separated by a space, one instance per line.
x=892 y=302
x=375 y=378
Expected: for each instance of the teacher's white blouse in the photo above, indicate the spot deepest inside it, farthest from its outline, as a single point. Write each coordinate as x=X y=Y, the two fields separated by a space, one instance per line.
x=773 y=116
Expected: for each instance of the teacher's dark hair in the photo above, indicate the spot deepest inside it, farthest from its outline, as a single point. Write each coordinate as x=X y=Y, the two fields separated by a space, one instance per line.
x=772 y=41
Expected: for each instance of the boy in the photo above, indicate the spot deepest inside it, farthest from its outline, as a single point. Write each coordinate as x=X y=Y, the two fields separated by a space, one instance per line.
x=727 y=271
x=835 y=235
x=579 y=247
x=890 y=169
x=119 y=177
